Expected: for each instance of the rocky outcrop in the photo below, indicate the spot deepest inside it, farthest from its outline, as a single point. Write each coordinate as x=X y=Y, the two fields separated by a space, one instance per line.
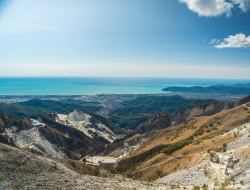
x=93 y=126
x=232 y=161
x=23 y=124
x=157 y=121
x=214 y=157
x=207 y=109
x=5 y=121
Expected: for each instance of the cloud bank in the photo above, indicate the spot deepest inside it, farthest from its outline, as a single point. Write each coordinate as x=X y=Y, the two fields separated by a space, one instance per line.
x=238 y=41
x=211 y=8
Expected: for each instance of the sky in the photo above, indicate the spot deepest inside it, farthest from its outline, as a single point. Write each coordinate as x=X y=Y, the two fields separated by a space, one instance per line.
x=128 y=38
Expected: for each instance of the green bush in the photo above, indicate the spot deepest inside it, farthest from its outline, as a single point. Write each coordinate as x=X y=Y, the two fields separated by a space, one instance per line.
x=223 y=150
x=113 y=171
x=196 y=187
x=227 y=179
x=176 y=146
x=216 y=181
x=205 y=170
x=224 y=145
x=205 y=187
x=242 y=182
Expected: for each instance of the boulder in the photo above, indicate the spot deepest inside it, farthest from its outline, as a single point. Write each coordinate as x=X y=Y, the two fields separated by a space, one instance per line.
x=232 y=161
x=214 y=157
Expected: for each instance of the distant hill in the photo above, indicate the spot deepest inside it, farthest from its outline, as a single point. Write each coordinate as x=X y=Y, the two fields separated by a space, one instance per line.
x=32 y=107
x=239 y=85
x=154 y=104
x=237 y=89
x=137 y=111
x=64 y=107
x=17 y=110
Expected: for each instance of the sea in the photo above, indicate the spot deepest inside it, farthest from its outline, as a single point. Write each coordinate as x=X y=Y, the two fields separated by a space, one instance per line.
x=100 y=85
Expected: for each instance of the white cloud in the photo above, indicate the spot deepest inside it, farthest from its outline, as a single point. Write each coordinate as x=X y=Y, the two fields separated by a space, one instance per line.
x=209 y=7
x=204 y=40
x=237 y=41
x=214 y=41
x=242 y=4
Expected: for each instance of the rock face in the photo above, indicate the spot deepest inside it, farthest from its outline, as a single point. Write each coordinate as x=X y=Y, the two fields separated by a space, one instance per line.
x=23 y=124
x=207 y=109
x=232 y=161
x=5 y=121
x=155 y=122
x=88 y=124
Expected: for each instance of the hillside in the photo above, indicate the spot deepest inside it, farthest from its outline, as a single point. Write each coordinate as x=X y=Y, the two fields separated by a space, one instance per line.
x=64 y=107
x=17 y=110
x=23 y=170
x=176 y=148
x=155 y=104
x=92 y=125
x=33 y=107
x=134 y=112
x=47 y=137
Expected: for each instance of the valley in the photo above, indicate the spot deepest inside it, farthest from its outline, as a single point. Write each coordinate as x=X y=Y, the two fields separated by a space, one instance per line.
x=193 y=146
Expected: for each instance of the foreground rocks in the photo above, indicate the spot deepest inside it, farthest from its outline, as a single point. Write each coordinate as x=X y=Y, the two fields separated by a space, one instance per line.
x=24 y=170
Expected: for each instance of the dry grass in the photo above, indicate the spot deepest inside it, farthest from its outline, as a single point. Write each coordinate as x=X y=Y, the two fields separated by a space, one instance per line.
x=181 y=159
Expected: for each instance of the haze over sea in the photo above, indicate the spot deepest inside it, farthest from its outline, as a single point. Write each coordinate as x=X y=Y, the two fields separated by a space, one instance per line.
x=99 y=85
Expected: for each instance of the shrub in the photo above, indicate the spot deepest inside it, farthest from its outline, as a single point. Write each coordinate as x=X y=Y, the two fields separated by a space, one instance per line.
x=159 y=172
x=211 y=124
x=113 y=171
x=235 y=135
x=227 y=179
x=208 y=150
x=205 y=187
x=176 y=135
x=175 y=146
x=196 y=187
x=242 y=182
x=208 y=131
x=155 y=176
x=224 y=144
x=97 y=171
x=216 y=181
x=223 y=150
x=194 y=127
x=222 y=188
x=74 y=165
x=205 y=170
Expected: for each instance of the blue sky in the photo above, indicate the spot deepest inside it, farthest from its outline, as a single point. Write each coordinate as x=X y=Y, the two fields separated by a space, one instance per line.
x=155 y=38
